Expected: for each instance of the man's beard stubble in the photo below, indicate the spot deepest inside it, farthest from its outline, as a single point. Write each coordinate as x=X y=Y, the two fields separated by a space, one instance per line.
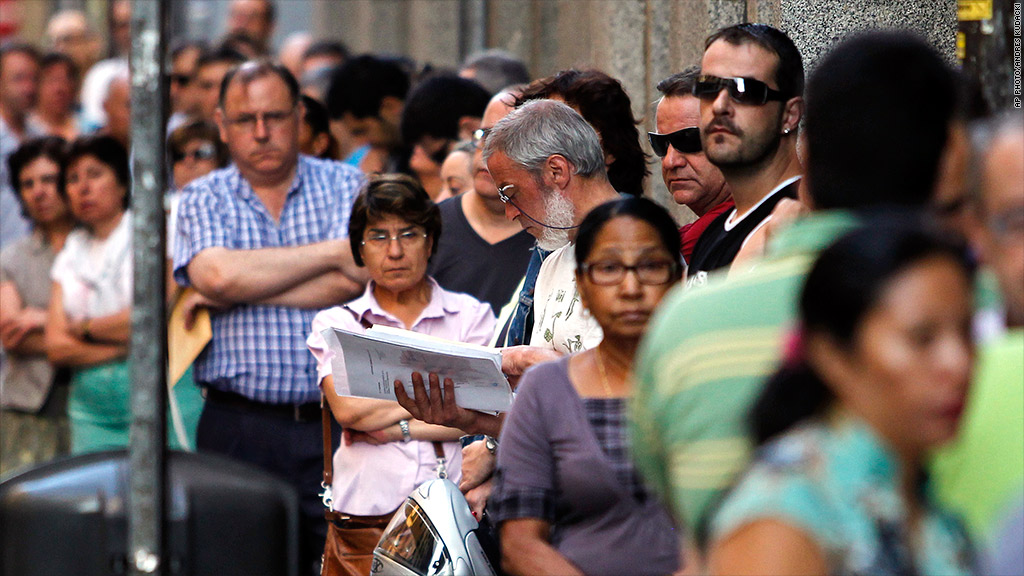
x=753 y=149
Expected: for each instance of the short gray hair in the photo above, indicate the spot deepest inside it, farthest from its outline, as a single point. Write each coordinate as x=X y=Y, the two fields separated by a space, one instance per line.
x=538 y=129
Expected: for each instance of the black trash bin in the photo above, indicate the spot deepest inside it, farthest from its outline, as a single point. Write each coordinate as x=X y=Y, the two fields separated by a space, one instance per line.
x=223 y=518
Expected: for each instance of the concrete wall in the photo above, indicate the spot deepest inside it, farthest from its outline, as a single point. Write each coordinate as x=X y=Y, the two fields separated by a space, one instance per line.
x=637 y=41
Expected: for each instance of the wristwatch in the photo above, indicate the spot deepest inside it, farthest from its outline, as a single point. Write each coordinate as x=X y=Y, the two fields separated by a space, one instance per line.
x=404 y=425
x=491 y=444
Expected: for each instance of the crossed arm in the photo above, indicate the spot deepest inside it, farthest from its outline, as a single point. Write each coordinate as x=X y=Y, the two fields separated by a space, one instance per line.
x=310 y=276
x=21 y=327
x=376 y=421
x=65 y=347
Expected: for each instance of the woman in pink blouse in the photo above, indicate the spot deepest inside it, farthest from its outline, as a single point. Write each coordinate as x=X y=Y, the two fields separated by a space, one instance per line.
x=385 y=454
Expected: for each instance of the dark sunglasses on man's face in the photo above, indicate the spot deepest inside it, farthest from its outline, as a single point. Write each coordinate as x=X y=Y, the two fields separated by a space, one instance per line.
x=741 y=90
x=205 y=151
x=686 y=141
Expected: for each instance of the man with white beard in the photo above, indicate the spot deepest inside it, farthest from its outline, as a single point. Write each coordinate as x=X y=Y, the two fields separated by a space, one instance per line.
x=547 y=164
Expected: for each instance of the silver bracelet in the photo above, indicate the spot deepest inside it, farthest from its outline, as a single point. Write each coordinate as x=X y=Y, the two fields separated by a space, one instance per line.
x=404 y=425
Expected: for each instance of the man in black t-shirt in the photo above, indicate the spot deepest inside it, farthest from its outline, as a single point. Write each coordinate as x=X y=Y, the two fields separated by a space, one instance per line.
x=481 y=252
x=750 y=87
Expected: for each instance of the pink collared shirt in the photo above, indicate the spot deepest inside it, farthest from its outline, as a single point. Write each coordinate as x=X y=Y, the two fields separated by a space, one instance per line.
x=374 y=480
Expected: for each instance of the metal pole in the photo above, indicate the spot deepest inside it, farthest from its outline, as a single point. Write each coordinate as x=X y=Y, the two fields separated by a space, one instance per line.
x=149 y=324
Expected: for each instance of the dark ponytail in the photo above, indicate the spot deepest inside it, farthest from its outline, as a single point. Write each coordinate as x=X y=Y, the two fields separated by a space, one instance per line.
x=841 y=288
x=792 y=394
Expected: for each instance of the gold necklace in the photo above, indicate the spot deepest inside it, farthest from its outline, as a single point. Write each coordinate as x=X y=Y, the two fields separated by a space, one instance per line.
x=604 y=374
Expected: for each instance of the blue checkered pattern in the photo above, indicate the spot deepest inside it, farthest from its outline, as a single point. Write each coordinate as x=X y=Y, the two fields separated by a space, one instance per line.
x=260 y=351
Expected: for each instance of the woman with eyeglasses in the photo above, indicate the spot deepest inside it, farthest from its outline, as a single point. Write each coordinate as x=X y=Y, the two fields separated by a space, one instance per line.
x=875 y=377
x=394 y=229
x=567 y=499
x=194 y=150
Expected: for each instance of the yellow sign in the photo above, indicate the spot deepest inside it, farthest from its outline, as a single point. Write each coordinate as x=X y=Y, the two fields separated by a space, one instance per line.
x=970 y=10
x=961 y=46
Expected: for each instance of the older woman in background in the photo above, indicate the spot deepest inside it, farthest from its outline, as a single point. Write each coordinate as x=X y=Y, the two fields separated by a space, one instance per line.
x=605 y=105
x=457 y=171
x=33 y=394
x=89 y=323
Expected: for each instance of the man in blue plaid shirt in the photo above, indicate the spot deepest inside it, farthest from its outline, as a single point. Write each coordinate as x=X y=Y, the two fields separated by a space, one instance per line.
x=263 y=242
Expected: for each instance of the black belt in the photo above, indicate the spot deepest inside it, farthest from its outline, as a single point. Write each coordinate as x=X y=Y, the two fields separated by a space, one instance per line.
x=308 y=412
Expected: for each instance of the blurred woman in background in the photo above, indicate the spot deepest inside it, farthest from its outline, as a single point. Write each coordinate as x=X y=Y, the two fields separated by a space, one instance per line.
x=315 y=138
x=605 y=105
x=89 y=324
x=876 y=377
x=88 y=328
x=33 y=393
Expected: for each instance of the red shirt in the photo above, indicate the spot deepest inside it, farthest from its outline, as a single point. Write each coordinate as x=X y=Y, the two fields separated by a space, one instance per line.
x=689 y=233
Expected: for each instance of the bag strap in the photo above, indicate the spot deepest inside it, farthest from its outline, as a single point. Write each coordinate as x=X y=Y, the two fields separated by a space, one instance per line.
x=442 y=460
x=326 y=418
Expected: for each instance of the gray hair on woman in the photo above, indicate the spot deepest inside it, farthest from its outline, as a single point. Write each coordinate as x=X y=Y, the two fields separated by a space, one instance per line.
x=538 y=129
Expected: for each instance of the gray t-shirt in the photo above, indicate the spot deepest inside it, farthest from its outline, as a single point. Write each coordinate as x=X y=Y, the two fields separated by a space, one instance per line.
x=25 y=381
x=558 y=461
x=465 y=262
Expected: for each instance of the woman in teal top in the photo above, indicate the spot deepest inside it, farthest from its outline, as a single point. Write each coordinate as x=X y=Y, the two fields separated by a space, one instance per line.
x=875 y=378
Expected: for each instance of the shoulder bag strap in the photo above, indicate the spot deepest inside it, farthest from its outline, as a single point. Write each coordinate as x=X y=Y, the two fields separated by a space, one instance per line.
x=326 y=418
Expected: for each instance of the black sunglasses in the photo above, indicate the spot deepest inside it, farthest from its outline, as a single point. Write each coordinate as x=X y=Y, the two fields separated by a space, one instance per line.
x=205 y=151
x=741 y=90
x=686 y=141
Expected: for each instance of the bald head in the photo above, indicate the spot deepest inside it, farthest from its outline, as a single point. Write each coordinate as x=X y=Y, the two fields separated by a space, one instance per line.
x=499 y=106
x=69 y=32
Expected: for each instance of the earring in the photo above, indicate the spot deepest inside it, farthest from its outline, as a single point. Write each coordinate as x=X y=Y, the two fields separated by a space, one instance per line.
x=786 y=131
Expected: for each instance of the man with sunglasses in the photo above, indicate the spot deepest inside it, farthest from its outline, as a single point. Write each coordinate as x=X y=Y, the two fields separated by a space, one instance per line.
x=264 y=242
x=708 y=353
x=692 y=180
x=182 y=94
x=751 y=102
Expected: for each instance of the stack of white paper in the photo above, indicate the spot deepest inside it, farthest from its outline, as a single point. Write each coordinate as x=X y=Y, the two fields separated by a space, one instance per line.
x=374 y=360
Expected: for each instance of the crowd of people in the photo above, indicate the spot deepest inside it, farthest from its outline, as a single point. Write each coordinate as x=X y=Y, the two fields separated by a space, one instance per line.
x=823 y=372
